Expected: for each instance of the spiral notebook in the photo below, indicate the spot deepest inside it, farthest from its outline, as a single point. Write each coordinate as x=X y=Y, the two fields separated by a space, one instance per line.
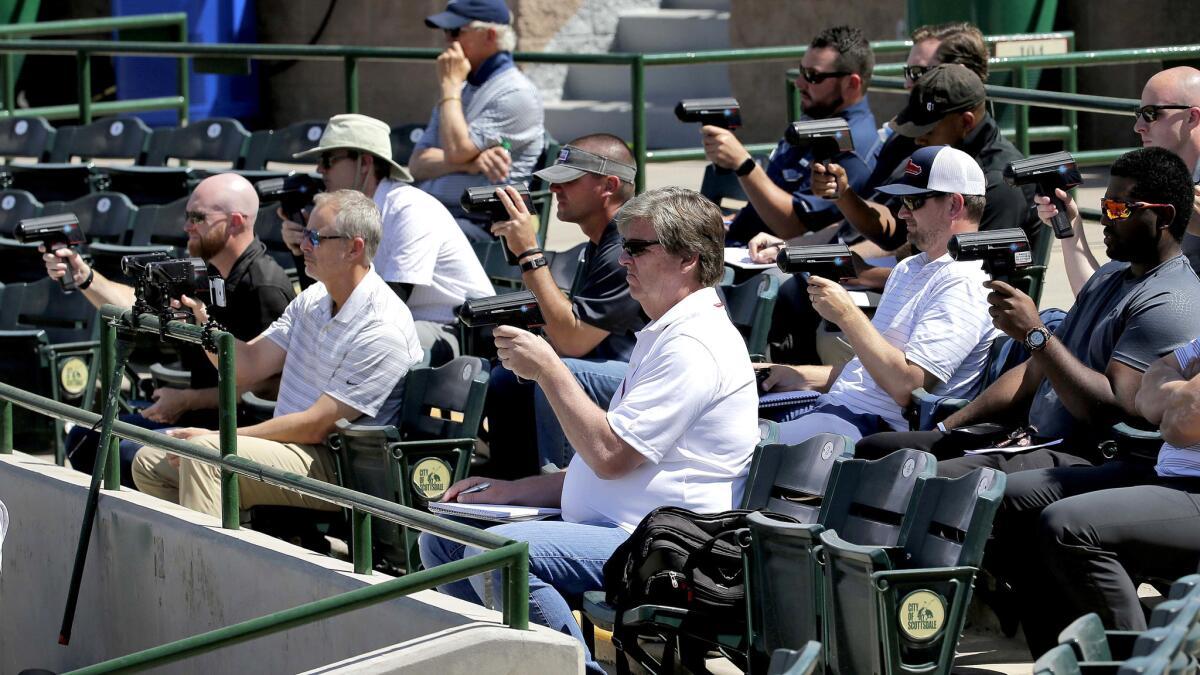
x=498 y=513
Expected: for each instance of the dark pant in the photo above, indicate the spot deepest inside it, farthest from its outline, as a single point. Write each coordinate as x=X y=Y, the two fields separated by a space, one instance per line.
x=794 y=324
x=949 y=447
x=82 y=443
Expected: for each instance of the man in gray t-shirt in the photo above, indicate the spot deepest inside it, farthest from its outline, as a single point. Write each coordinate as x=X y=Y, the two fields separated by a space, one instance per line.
x=1082 y=379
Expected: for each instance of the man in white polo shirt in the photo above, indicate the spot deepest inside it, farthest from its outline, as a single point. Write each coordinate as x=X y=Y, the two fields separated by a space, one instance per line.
x=680 y=430
x=423 y=256
x=343 y=348
x=932 y=327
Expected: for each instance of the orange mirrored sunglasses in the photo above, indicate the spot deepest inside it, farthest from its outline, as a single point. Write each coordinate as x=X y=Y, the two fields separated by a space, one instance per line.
x=1119 y=209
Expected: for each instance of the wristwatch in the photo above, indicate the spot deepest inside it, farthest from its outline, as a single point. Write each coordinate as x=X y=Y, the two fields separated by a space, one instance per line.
x=1036 y=338
x=746 y=167
x=534 y=263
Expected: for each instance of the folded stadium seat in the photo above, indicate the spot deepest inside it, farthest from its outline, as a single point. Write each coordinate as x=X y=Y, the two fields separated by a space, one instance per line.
x=63 y=178
x=217 y=139
x=49 y=346
x=719 y=186
x=156 y=227
x=412 y=462
x=1093 y=644
x=566 y=268
x=900 y=608
x=269 y=228
x=796 y=662
x=1159 y=651
x=404 y=138
x=539 y=190
x=30 y=137
x=19 y=263
x=279 y=145
x=750 y=305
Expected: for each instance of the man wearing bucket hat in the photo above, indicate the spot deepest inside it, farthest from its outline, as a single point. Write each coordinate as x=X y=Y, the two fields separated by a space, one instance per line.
x=594 y=330
x=932 y=327
x=486 y=127
x=424 y=256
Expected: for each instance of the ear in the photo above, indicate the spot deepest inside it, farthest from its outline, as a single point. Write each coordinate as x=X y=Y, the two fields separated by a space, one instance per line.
x=358 y=249
x=957 y=205
x=969 y=120
x=237 y=224
x=1167 y=210
x=612 y=185
x=853 y=82
x=368 y=164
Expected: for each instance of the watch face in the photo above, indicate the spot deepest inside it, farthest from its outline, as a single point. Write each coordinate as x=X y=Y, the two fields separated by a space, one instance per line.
x=1036 y=339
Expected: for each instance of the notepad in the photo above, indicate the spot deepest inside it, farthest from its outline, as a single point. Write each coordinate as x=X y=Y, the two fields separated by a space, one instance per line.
x=1013 y=449
x=740 y=257
x=787 y=398
x=497 y=513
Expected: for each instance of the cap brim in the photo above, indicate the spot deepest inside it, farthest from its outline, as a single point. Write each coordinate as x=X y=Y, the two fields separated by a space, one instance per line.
x=559 y=173
x=903 y=189
x=913 y=130
x=446 y=21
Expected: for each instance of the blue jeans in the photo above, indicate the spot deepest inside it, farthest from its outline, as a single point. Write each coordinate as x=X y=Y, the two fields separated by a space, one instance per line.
x=565 y=560
x=525 y=434
x=833 y=419
x=82 y=443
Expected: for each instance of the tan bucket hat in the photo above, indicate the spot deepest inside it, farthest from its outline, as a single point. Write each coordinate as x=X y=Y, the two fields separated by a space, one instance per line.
x=358 y=132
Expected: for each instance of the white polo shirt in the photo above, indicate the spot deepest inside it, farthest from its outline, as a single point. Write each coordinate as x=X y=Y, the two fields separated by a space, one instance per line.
x=688 y=404
x=358 y=356
x=422 y=245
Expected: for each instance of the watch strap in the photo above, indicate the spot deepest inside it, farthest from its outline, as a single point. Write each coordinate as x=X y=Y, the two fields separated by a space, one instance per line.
x=746 y=167
x=534 y=263
x=1029 y=342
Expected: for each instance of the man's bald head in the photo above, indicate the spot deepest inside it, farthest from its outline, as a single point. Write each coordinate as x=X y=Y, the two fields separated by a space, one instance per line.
x=1173 y=128
x=229 y=206
x=1181 y=85
x=230 y=193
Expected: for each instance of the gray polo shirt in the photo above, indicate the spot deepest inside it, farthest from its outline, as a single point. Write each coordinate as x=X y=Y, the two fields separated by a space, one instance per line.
x=1120 y=318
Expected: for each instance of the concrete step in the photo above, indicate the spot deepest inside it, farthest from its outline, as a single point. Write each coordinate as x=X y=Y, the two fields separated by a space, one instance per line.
x=671 y=30
x=719 y=5
x=664 y=84
x=573 y=118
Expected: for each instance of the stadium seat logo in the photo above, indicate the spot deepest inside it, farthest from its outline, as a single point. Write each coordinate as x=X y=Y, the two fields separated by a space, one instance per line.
x=73 y=376
x=431 y=478
x=922 y=615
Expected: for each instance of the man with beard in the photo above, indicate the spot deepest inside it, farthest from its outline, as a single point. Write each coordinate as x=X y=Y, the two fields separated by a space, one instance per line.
x=220 y=226
x=834 y=75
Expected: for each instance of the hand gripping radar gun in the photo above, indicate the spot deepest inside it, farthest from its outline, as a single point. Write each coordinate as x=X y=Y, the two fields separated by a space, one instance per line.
x=1047 y=172
x=50 y=230
x=483 y=200
x=825 y=139
x=294 y=193
x=1003 y=252
x=829 y=261
x=718 y=112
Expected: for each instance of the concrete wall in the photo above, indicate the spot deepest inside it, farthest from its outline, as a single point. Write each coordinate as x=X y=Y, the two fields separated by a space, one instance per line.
x=157 y=573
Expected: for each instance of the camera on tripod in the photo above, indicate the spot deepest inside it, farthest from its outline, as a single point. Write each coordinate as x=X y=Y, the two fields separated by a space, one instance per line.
x=158 y=279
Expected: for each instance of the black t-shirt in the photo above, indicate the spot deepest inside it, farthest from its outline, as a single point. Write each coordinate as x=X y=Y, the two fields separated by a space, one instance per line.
x=256 y=292
x=603 y=299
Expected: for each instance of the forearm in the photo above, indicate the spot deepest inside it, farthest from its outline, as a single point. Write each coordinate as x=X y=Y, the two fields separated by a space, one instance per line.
x=1007 y=399
x=1160 y=383
x=431 y=163
x=569 y=335
x=586 y=425
x=874 y=221
x=1088 y=395
x=886 y=364
x=298 y=427
x=1077 y=257
x=773 y=204
x=541 y=490
x=453 y=132
x=105 y=292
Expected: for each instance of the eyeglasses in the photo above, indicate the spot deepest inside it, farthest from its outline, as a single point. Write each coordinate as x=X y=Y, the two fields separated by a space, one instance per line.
x=200 y=217
x=914 y=202
x=315 y=238
x=815 y=77
x=1119 y=209
x=328 y=159
x=636 y=247
x=913 y=72
x=452 y=33
x=1150 y=113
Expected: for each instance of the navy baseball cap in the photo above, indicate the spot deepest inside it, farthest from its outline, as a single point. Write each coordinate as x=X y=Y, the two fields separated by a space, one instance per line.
x=462 y=12
x=944 y=89
x=938 y=168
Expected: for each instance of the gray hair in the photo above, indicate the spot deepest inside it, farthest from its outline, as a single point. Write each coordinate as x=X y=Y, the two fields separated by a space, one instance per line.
x=506 y=37
x=685 y=222
x=357 y=217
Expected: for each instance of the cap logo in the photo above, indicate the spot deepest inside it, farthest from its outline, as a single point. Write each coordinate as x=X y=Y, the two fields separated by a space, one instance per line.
x=913 y=169
x=564 y=155
x=929 y=106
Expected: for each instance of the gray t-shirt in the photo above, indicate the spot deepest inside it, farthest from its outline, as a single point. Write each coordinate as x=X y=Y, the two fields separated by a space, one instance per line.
x=1191 y=249
x=1117 y=317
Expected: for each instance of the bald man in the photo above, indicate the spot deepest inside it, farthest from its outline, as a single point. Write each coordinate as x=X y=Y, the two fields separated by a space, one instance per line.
x=220 y=226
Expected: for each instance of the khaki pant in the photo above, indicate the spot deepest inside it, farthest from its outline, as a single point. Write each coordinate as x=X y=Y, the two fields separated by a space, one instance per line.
x=197 y=485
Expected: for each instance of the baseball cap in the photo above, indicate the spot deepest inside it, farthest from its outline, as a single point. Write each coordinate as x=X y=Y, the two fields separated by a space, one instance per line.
x=938 y=168
x=944 y=89
x=361 y=133
x=462 y=12
x=573 y=162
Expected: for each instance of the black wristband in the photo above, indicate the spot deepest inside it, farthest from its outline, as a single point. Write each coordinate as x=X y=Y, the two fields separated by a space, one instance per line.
x=746 y=167
x=88 y=281
x=206 y=338
x=531 y=265
x=532 y=251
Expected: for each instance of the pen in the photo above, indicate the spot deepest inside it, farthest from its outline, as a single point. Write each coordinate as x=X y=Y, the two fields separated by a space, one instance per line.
x=475 y=488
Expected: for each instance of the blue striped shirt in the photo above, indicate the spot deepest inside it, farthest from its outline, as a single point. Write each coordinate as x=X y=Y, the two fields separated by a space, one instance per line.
x=1181 y=462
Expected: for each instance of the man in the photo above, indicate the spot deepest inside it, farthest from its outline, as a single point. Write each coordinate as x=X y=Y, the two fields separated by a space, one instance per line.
x=1082 y=379
x=220 y=227
x=594 y=330
x=487 y=126
x=423 y=256
x=680 y=431
x=834 y=75
x=342 y=347
x=931 y=329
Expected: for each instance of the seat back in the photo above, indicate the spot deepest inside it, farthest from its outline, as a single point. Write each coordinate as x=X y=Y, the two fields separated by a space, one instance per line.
x=750 y=305
x=567 y=266
x=404 y=139
x=104 y=216
x=867 y=499
x=15 y=206
x=218 y=139
x=269 y=228
x=796 y=662
x=161 y=224
x=951 y=518
x=1058 y=661
x=791 y=479
x=280 y=144
x=26 y=137
x=110 y=138
x=42 y=305
x=444 y=402
x=719 y=186
x=1087 y=639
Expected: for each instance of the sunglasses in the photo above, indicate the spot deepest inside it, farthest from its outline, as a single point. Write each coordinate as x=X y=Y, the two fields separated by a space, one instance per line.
x=636 y=247
x=814 y=77
x=1150 y=113
x=328 y=159
x=1119 y=209
x=315 y=238
x=913 y=72
x=914 y=202
x=198 y=217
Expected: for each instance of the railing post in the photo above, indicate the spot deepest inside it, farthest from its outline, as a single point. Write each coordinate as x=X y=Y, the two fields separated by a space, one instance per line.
x=6 y=428
x=110 y=378
x=794 y=107
x=360 y=541
x=516 y=577
x=351 y=79
x=182 y=72
x=227 y=411
x=1070 y=84
x=83 y=69
x=637 y=74
x=10 y=82
x=1021 y=81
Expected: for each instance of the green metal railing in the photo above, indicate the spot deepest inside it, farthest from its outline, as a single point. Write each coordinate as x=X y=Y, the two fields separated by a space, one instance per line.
x=173 y=25
x=511 y=556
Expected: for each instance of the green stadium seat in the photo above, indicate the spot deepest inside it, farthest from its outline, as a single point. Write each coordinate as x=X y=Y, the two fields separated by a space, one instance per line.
x=404 y=139
x=279 y=145
x=750 y=305
x=796 y=662
x=156 y=227
x=215 y=139
x=31 y=137
x=19 y=263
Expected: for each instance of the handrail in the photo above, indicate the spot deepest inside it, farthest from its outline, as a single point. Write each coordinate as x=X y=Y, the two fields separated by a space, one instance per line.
x=96 y=25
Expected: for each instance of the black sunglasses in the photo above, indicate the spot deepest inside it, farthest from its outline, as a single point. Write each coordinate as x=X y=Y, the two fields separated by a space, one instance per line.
x=452 y=33
x=914 y=202
x=814 y=77
x=636 y=247
x=1150 y=113
x=328 y=159
x=913 y=72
